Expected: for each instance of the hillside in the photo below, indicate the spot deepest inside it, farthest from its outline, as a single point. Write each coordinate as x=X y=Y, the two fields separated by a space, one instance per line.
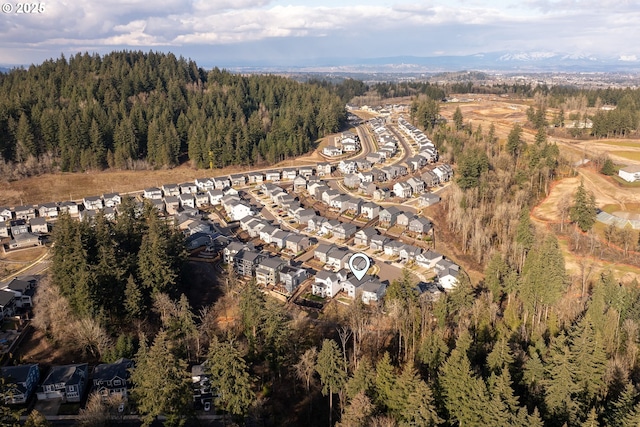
x=134 y=110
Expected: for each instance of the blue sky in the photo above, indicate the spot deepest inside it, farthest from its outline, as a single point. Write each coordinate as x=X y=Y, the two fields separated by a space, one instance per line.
x=300 y=32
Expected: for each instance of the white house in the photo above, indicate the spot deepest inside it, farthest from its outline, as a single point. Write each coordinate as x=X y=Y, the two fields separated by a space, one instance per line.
x=328 y=284
x=332 y=151
x=630 y=173
x=239 y=210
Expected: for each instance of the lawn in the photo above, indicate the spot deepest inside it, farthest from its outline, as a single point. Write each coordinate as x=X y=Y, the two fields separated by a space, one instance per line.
x=624 y=183
x=631 y=155
x=631 y=144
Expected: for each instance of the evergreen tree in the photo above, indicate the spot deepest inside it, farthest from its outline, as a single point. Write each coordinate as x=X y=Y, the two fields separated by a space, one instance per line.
x=608 y=168
x=363 y=380
x=514 y=141
x=583 y=212
x=229 y=375
x=458 y=120
x=560 y=385
x=331 y=370
x=465 y=396
x=161 y=383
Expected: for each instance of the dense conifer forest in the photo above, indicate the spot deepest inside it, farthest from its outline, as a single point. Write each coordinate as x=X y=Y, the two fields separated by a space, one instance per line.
x=134 y=109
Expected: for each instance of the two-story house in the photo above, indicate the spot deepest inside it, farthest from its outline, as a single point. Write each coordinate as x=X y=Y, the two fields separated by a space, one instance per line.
x=328 y=284
x=292 y=277
x=21 y=382
x=268 y=271
x=112 y=379
x=67 y=382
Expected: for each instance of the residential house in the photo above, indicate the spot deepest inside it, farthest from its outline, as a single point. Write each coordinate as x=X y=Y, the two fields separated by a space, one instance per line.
x=428 y=259
x=339 y=258
x=299 y=183
x=329 y=195
x=172 y=204
x=93 y=203
x=252 y=225
x=111 y=200
x=279 y=238
x=378 y=175
x=375 y=158
x=322 y=252
x=4 y=230
x=201 y=199
x=266 y=233
x=448 y=279
x=339 y=202
x=417 y=185
x=444 y=264
x=289 y=173
x=347 y=167
x=363 y=237
x=370 y=210
x=372 y=291
x=158 y=204
x=302 y=216
x=204 y=184
x=26 y=240
x=112 y=379
x=5 y=214
x=332 y=151
x=246 y=261
x=18 y=226
x=328 y=284
x=368 y=189
x=7 y=303
x=273 y=176
x=363 y=164
x=255 y=177
x=388 y=216
x=171 y=190
x=430 y=179
x=402 y=189
x=268 y=271
x=344 y=231
x=233 y=248
x=305 y=171
x=239 y=210
x=428 y=199
x=153 y=193
x=428 y=291
x=215 y=197
x=323 y=169
x=221 y=182
x=365 y=177
x=393 y=247
x=201 y=384
x=444 y=172
x=352 y=206
x=409 y=252
x=352 y=181
x=69 y=207
x=420 y=225
x=316 y=223
x=21 y=381
x=328 y=226
x=292 y=277
x=351 y=285
x=47 y=210
x=404 y=218
x=297 y=243
x=24 y=212
x=381 y=194
x=630 y=173
x=23 y=289
x=39 y=225
x=237 y=180
x=416 y=162
x=187 y=200
x=67 y=382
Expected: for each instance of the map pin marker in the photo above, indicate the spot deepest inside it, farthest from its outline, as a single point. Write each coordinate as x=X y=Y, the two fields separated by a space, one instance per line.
x=359 y=263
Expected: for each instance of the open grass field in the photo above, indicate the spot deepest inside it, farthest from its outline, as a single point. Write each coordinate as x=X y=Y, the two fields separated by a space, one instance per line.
x=629 y=155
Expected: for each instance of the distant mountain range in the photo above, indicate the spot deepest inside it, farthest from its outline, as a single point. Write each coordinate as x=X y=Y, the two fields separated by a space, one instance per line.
x=539 y=61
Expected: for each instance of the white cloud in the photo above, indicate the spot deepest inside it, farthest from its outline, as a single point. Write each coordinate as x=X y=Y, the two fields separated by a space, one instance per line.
x=418 y=28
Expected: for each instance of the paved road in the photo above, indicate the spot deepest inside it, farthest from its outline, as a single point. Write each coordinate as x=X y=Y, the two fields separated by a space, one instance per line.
x=408 y=151
x=39 y=266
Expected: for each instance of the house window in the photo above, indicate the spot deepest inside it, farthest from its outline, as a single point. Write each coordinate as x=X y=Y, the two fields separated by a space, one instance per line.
x=117 y=382
x=72 y=388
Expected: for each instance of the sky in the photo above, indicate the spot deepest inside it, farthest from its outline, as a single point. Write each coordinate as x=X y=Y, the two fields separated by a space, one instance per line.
x=230 y=33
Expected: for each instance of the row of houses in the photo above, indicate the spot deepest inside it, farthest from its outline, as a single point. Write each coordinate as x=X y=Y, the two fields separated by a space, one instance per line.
x=69 y=383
